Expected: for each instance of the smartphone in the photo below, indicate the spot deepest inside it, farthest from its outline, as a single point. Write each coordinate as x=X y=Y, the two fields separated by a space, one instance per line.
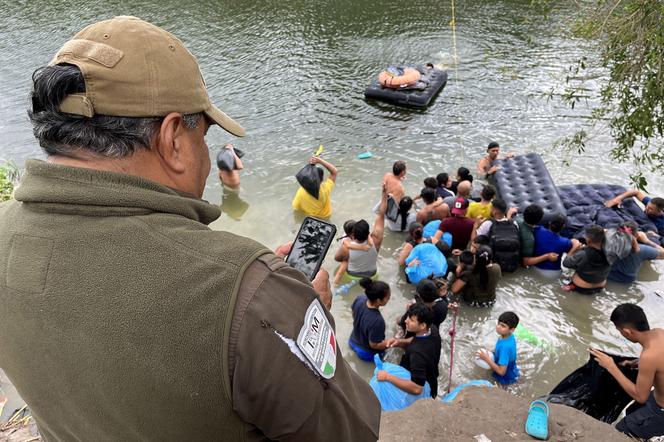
x=311 y=245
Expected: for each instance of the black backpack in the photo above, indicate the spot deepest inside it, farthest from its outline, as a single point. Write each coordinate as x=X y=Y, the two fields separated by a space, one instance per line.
x=506 y=244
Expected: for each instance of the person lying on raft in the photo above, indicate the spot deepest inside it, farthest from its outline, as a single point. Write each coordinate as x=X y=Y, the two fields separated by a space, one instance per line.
x=654 y=210
x=422 y=355
x=646 y=421
x=368 y=335
x=590 y=264
x=484 y=167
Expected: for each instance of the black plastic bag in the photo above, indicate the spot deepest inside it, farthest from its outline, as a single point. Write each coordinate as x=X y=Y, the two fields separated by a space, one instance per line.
x=226 y=159
x=594 y=391
x=309 y=178
x=392 y=212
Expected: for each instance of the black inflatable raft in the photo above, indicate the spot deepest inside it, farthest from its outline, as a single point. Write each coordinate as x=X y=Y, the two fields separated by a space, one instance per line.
x=432 y=81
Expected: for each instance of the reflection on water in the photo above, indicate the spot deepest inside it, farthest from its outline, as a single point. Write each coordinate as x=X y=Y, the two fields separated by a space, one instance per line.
x=293 y=73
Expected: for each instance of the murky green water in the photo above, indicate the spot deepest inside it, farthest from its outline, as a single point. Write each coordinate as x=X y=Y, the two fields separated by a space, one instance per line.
x=293 y=74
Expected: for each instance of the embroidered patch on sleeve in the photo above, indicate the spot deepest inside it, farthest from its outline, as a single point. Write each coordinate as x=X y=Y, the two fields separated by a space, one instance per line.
x=317 y=340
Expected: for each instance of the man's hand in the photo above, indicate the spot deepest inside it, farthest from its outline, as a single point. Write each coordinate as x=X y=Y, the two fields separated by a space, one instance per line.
x=493 y=170
x=612 y=202
x=314 y=160
x=321 y=284
x=391 y=342
x=602 y=359
x=414 y=262
x=509 y=154
x=382 y=375
x=456 y=252
x=283 y=250
x=511 y=212
x=552 y=256
x=228 y=146
x=453 y=307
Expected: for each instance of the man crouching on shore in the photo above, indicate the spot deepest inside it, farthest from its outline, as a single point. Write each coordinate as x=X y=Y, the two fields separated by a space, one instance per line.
x=648 y=420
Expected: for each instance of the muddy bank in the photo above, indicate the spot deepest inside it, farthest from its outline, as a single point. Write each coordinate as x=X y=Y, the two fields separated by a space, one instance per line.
x=499 y=415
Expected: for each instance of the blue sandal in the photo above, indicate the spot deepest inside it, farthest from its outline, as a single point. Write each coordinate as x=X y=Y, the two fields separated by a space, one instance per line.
x=537 y=424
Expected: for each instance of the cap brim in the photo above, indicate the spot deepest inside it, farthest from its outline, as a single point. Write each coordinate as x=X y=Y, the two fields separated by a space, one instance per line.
x=227 y=123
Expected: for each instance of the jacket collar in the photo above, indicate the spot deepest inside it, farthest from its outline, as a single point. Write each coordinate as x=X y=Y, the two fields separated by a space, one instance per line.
x=91 y=192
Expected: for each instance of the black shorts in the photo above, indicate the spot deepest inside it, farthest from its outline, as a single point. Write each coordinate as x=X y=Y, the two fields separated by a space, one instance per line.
x=646 y=422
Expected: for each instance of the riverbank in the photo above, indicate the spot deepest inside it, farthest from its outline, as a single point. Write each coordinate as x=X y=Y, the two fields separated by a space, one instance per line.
x=492 y=412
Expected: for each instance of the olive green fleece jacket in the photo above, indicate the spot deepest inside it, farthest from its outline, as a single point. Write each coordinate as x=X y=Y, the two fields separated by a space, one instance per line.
x=119 y=320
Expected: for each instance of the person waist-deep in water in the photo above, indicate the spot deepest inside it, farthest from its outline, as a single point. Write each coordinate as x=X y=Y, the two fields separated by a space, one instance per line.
x=646 y=421
x=368 y=335
x=503 y=364
x=320 y=207
x=178 y=322
x=421 y=355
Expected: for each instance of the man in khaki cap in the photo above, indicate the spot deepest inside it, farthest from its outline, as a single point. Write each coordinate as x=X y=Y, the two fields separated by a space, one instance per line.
x=122 y=315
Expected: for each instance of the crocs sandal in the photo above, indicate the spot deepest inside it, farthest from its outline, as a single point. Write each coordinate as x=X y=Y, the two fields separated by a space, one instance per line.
x=537 y=424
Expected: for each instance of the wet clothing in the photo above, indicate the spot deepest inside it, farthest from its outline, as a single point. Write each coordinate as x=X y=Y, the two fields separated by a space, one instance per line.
x=474 y=293
x=505 y=354
x=645 y=422
x=144 y=324
x=421 y=359
x=590 y=264
x=443 y=192
x=460 y=227
x=368 y=325
x=362 y=262
x=547 y=241
x=320 y=207
x=395 y=226
x=627 y=269
x=658 y=221
x=527 y=234
x=476 y=210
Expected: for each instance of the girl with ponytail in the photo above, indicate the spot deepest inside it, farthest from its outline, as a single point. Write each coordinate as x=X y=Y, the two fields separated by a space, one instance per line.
x=368 y=336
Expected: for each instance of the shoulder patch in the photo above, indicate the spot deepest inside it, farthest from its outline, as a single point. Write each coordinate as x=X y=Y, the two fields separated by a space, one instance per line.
x=317 y=340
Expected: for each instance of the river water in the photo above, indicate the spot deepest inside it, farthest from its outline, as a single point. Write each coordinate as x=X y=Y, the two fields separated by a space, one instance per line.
x=293 y=73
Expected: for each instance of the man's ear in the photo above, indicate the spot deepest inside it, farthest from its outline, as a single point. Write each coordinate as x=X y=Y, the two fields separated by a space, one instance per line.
x=167 y=143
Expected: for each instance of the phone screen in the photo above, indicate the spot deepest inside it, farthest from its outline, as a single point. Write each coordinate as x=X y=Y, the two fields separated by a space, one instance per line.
x=311 y=245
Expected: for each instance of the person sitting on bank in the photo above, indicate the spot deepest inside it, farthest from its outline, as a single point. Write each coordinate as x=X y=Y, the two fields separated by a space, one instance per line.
x=590 y=264
x=444 y=187
x=433 y=208
x=320 y=207
x=549 y=242
x=421 y=356
x=482 y=208
x=626 y=270
x=646 y=421
x=478 y=285
x=485 y=167
x=654 y=210
x=368 y=335
x=231 y=178
x=394 y=181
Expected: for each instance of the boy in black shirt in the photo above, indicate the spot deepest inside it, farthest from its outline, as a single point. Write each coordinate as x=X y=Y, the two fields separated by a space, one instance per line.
x=422 y=354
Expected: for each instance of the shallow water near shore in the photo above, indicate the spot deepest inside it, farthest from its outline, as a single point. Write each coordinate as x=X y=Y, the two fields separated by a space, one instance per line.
x=293 y=73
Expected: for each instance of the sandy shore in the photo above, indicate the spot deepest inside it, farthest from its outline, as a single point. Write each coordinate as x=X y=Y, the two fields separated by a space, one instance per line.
x=492 y=412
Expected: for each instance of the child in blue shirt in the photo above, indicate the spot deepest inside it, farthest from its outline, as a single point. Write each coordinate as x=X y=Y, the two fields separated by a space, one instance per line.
x=503 y=363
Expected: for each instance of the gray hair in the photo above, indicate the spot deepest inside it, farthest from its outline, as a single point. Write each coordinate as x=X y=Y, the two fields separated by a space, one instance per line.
x=64 y=134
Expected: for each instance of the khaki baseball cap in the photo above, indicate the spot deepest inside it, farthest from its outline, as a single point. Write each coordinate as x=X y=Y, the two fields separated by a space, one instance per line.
x=135 y=69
